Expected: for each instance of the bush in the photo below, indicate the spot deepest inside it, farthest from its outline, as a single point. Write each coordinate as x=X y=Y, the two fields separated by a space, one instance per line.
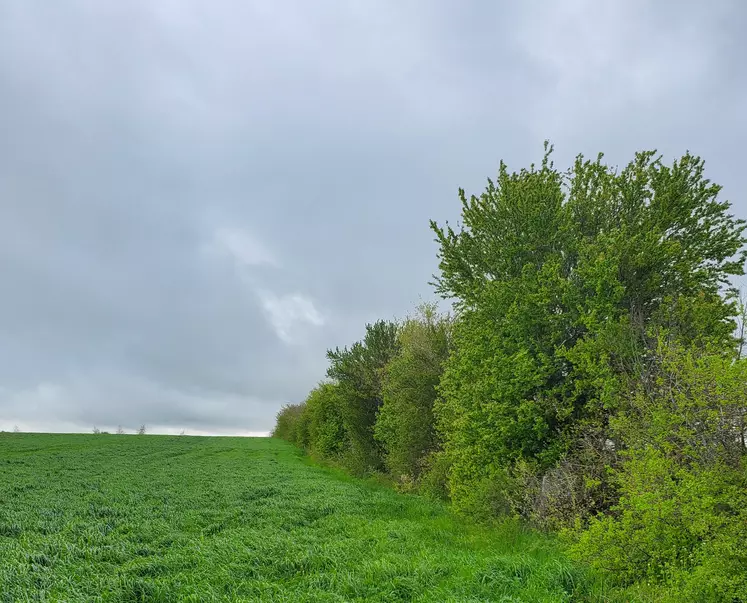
x=358 y=372
x=288 y=424
x=682 y=515
x=405 y=425
x=326 y=428
x=681 y=527
x=434 y=478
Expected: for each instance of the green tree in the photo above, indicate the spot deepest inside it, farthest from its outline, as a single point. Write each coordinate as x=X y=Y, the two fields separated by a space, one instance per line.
x=327 y=437
x=288 y=424
x=559 y=278
x=405 y=425
x=358 y=374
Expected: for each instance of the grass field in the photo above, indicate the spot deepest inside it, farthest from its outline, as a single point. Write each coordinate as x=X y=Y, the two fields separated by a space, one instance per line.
x=157 y=518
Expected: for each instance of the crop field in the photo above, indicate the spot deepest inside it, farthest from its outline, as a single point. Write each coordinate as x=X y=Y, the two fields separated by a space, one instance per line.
x=157 y=518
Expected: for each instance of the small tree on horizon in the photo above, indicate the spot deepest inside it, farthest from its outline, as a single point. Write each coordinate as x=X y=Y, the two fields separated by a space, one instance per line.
x=141 y=430
x=120 y=431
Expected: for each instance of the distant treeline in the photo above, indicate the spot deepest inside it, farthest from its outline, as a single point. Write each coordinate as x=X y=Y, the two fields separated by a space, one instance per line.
x=590 y=379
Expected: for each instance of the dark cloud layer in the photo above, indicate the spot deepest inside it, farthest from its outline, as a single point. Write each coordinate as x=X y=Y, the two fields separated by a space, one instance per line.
x=197 y=199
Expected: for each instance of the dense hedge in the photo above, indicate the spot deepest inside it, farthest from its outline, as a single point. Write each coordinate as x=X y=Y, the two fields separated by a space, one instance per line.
x=589 y=381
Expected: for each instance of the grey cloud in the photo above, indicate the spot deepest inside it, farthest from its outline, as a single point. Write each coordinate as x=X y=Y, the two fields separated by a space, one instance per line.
x=197 y=199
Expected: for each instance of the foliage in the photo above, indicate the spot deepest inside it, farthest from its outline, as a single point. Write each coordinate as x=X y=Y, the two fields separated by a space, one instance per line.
x=170 y=518
x=691 y=404
x=683 y=508
x=358 y=373
x=287 y=423
x=684 y=527
x=593 y=379
x=559 y=278
x=326 y=436
x=433 y=481
x=405 y=425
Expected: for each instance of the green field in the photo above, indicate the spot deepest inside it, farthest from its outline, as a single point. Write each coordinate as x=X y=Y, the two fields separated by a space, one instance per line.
x=157 y=518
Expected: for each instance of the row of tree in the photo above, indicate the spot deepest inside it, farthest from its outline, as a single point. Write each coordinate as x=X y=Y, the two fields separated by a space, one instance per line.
x=590 y=378
x=120 y=430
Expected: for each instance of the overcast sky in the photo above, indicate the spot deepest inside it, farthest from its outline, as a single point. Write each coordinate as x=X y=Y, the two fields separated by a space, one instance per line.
x=198 y=198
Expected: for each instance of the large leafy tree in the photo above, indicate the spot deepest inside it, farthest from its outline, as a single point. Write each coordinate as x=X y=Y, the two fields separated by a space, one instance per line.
x=560 y=279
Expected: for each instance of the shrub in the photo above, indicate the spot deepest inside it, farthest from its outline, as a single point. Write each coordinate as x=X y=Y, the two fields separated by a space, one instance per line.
x=434 y=477
x=326 y=428
x=287 y=423
x=682 y=512
x=405 y=425
x=682 y=527
x=358 y=372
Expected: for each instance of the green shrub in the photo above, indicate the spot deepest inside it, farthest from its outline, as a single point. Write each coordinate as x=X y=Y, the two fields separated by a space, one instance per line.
x=405 y=425
x=288 y=424
x=434 y=477
x=326 y=429
x=684 y=528
x=682 y=515
x=358 y=372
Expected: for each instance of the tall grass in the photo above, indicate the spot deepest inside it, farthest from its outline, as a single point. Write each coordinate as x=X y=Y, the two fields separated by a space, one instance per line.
x=158 y=518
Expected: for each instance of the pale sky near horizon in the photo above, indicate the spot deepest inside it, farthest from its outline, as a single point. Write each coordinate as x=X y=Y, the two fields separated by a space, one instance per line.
x=197 y=199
